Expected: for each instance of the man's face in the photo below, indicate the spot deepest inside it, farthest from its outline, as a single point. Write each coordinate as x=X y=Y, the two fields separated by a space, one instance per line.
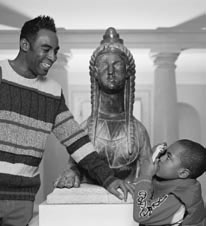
x=170 y=163
x=111 y=72
x=42 y=53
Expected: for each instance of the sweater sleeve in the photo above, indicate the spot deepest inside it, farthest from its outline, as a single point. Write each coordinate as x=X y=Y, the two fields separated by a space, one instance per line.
x=165 y=209
x=77 y=142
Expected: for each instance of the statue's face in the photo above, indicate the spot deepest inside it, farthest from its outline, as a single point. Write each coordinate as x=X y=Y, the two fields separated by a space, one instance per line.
x=111 y=72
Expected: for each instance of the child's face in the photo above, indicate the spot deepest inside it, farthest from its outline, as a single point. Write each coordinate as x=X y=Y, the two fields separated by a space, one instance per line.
x=170 y=163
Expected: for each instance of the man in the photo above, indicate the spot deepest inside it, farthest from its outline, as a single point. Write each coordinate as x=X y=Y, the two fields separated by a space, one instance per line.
x=31 y=107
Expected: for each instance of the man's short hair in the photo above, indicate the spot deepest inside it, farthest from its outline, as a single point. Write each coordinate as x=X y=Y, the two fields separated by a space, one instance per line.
x=193 y=157
x=31 y=28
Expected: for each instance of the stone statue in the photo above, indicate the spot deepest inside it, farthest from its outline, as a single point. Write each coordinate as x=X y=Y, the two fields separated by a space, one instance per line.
x=119 y=138
x=117 y=135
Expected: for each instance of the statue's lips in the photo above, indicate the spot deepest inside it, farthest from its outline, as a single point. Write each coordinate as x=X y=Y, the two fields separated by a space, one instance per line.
x=112 y=83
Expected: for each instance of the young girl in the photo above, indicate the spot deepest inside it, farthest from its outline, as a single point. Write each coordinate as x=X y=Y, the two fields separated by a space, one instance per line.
x=167 y=192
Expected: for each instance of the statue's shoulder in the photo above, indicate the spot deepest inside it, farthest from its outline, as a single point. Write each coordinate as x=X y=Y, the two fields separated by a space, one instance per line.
x=141 y=131
x=138 y=124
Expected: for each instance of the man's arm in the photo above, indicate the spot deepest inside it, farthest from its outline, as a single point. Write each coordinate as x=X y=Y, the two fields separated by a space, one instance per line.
x=79 y=146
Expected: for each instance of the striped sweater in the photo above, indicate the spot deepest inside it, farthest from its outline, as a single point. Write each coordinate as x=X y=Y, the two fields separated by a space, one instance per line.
x=30 y=109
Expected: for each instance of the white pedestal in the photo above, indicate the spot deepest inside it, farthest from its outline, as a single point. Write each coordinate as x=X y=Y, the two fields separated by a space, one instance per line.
x=85 y=206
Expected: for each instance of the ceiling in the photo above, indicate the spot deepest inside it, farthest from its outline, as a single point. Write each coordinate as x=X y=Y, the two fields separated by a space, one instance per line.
x=96 y=14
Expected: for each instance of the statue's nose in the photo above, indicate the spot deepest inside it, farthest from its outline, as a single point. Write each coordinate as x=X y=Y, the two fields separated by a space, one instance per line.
x=110 y=69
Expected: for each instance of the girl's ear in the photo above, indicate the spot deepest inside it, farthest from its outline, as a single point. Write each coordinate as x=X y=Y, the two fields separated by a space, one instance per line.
x=24 y=44
x=183 y=173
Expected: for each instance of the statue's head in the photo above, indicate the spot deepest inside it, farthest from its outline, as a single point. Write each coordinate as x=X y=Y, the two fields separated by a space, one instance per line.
x=112 y=68
x=111 y=63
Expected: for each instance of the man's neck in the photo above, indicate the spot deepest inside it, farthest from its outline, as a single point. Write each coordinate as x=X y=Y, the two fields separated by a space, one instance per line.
x=19 y=67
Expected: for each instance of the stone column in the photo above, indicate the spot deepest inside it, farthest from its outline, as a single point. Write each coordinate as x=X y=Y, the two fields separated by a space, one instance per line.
x=165 y=115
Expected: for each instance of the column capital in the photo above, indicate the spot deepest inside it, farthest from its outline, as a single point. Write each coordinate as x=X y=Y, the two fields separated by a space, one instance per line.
x=164 y=58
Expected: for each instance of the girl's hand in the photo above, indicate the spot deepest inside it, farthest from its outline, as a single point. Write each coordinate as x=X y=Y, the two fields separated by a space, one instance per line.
x=148 y=168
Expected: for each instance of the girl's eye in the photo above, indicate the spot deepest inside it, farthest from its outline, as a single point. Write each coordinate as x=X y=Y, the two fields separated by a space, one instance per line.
x=168 y=157
x=46 y=49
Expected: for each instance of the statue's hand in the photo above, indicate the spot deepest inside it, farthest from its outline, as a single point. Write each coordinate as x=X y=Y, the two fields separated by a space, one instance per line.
x=120 y=189
x=68 y=179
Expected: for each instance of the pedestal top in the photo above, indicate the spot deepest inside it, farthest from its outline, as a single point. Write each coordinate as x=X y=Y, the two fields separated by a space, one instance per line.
x=85 y=194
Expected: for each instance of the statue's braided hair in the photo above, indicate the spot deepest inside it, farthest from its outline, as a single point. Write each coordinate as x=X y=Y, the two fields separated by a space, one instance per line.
x=112 y=43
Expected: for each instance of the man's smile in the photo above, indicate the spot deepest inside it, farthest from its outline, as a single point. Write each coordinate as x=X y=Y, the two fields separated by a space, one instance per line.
x=46 y=65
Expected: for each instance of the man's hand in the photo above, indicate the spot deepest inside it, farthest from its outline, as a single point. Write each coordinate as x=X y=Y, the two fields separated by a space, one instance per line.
x=120 y=189
x=68 y=179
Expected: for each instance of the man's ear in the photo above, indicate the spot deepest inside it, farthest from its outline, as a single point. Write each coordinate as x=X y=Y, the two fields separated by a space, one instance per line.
x=24 y=44
x=183 y=173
